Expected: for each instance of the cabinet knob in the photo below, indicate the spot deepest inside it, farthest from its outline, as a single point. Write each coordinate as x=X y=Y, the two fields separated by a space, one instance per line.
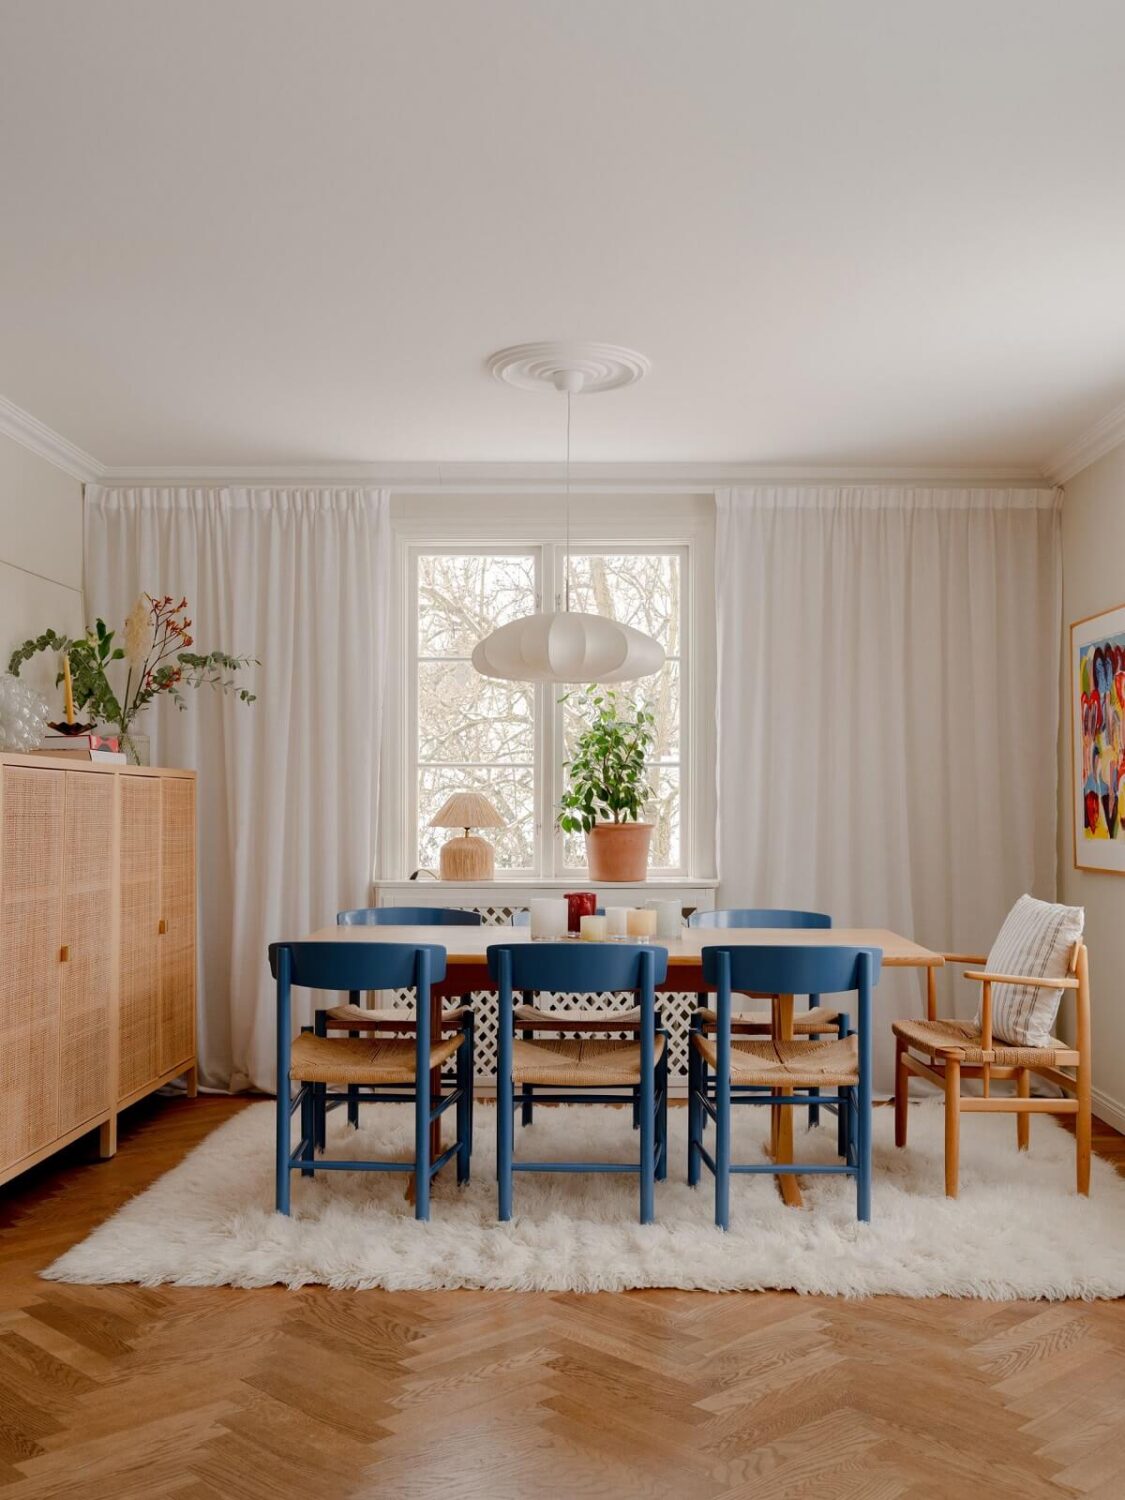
x=64 y=953
x=162 y=927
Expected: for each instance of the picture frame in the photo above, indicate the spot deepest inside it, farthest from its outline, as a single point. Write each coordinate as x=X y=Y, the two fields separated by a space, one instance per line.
x=1097 y=737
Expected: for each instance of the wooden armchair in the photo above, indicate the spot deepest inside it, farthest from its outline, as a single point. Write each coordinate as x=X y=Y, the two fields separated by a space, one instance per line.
x=946 y=1052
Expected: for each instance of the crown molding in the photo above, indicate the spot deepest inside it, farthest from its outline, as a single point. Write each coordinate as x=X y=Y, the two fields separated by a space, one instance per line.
x=549 y=478
x=44 y=441
x=1088 y=447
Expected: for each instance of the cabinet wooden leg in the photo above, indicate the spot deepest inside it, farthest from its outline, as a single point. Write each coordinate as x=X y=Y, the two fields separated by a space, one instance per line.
x=107 y=1138
x=191 y=1079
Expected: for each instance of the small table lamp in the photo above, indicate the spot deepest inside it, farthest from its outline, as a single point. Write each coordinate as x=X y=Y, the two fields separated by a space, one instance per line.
x=467 y=857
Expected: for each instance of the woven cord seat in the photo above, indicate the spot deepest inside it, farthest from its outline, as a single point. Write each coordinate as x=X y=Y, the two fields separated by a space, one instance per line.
x=805 y=1022
x=359 y=1018
x=799 y=1064
x=963 y=1040
x=341 y=1060
x=569 y=1063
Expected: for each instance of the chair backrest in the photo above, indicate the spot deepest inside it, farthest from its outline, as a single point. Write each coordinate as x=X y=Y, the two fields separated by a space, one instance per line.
x=759 y=916
x=359 y=966
x=792 y=969
x=580 y=968
x=408 y=916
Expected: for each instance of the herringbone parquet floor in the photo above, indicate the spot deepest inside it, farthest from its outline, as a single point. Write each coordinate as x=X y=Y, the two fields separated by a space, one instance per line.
x=127 y=1393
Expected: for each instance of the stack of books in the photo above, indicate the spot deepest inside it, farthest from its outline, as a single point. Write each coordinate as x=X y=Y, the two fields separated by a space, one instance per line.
x=97 y=747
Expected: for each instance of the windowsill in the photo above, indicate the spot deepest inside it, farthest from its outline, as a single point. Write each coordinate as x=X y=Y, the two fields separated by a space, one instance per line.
x=560 y=882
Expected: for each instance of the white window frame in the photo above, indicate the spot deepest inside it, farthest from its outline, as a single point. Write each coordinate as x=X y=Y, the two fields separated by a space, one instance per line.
x=600 y=524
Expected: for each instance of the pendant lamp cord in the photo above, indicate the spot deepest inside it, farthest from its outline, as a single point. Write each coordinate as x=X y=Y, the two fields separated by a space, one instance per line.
x=566 y=559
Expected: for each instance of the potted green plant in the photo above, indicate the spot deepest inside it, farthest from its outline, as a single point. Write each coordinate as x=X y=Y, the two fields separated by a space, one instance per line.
x=607 y=786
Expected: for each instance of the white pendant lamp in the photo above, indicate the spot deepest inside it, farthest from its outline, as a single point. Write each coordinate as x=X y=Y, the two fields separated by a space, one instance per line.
x=563 y=646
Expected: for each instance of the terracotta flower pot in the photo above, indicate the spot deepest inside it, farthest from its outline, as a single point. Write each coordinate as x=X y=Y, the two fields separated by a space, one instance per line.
x=618 y=852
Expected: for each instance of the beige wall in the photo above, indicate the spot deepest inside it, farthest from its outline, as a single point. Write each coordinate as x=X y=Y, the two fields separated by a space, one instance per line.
x=1094 y=580
x=40 y=554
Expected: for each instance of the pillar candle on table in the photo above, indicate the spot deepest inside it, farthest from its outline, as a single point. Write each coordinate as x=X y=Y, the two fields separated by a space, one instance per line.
x=669 y=918
x=640 y=922
x=616 y=921
x=592 y=929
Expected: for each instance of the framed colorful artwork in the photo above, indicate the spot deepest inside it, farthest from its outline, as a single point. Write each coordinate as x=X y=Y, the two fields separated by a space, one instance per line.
x=1097 y=713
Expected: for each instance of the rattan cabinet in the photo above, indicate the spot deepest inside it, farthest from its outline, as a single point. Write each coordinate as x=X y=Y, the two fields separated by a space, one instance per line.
x=97 y=947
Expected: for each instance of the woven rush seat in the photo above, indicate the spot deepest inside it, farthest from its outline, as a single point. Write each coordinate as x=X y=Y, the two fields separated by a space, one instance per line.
x=821 y=1018
x=324 y=1059
x=963 y=1040
x=570 y=1064
x=831 y=1064
x=359 y=1018
x=531 y=1017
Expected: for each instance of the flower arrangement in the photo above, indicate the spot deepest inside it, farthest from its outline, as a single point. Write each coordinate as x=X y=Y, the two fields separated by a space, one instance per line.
x=157 y=658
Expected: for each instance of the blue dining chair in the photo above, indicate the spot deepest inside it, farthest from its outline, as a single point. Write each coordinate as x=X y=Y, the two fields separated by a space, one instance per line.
x=582 y=1072
x=383 y=1071
x=769 y=1070
x=531 y=1019
x=355 y=1019
x=814 y=1022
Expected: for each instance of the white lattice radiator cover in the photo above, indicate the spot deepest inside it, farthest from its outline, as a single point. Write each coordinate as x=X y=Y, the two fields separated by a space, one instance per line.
x=674 y=1008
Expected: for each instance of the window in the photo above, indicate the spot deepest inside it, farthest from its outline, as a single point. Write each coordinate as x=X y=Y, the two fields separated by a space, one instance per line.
x=510 y=741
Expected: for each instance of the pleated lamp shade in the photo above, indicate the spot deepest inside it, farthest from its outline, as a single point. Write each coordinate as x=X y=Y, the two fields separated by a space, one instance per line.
x=467 y=857
x=564 y=647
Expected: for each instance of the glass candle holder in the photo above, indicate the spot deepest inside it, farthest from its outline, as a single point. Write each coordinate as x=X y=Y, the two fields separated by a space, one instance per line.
x=548 y=918
x=579 y=904
x=592 y=929
x=669 y=917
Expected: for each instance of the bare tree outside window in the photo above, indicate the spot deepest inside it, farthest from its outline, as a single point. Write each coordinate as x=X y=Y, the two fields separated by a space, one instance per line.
x=474 y=734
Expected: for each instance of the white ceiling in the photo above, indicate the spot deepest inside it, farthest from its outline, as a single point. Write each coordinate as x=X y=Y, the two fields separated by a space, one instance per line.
x=269 y=231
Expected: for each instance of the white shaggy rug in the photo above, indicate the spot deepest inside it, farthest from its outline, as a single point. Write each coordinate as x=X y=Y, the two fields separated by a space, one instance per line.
x=1017 y=1230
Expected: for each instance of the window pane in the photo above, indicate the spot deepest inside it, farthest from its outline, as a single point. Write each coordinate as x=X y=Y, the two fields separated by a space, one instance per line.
x=641 y=589
x=660 y=693
x=512 y=794
x=462 y=597
x=663 y=813
x=463 y=716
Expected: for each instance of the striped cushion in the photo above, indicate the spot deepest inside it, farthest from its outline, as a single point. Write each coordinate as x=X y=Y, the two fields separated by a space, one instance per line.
x=1036 y=939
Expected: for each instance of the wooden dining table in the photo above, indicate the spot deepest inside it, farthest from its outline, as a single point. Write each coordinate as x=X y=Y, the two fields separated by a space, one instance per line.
x=466 y=970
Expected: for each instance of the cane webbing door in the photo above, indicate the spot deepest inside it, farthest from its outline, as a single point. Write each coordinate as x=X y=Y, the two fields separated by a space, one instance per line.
x=31 y=835
x=177 y=912
x=88 y=897
x=139 y=982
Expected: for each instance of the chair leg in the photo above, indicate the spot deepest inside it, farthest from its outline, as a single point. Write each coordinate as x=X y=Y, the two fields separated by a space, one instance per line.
x=648 y=1145
x=308 y=1126
x=863 y=1124
x=695 y=1115
x=952 y=1125
x=353 y=1098
x=843 y=1106
x=320 y=1091
x=814 y=1109
x=662 y=1115
x=464 y=1108
x=528 y=1108
x=1023 y=1121
x=722 y=1148
x=281 y=1164
x=505 y=1133
x=902 y=1091
x=1083 y=1123
x=471 y=1046
x=422 y=1107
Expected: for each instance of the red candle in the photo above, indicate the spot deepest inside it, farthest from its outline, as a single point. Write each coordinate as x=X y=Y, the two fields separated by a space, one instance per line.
x=579 y=904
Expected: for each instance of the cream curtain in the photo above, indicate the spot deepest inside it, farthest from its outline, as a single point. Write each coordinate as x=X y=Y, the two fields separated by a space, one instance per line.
x=888 y=668
x=288 y=787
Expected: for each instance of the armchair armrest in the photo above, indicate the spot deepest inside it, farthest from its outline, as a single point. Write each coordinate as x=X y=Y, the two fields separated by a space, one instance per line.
x=965 y=958
x=1067 y=983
